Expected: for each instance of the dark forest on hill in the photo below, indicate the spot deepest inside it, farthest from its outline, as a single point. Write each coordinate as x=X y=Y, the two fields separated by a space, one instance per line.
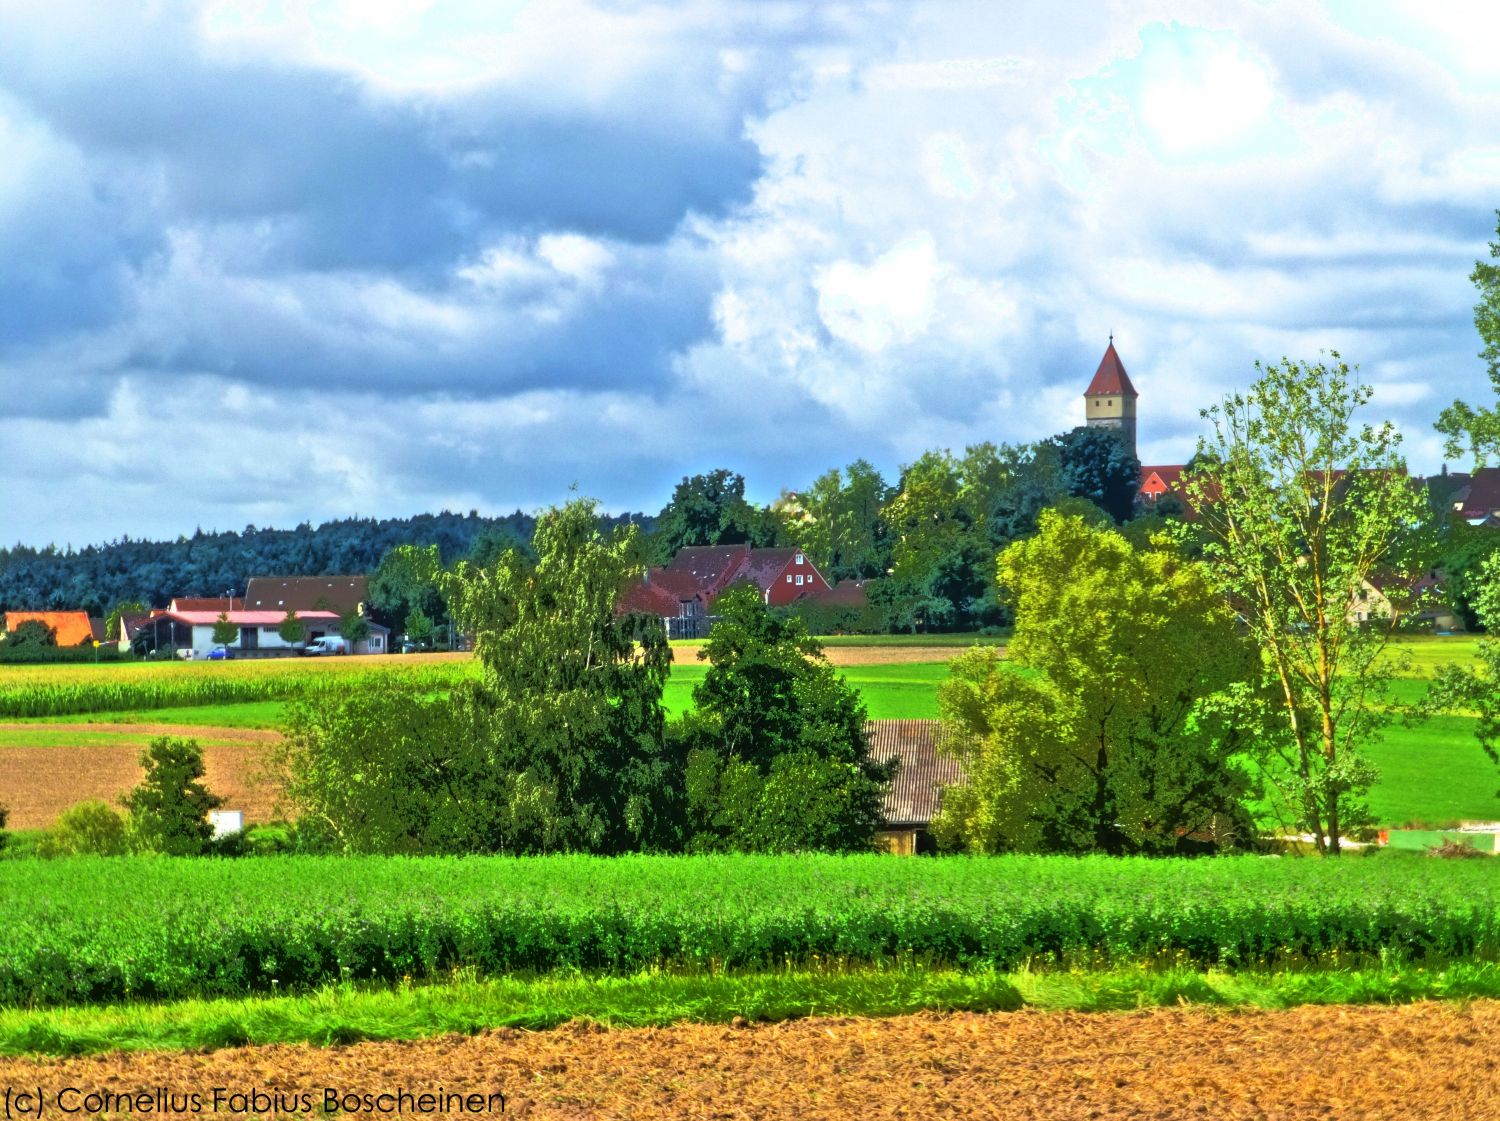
x=208 y=564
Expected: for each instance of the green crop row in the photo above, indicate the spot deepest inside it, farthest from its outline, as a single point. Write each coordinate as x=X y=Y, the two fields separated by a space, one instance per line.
x=202 y=685
x=84 y=930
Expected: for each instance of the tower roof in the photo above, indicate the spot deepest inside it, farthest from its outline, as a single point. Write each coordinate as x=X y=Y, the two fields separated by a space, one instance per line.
x=1111 y=377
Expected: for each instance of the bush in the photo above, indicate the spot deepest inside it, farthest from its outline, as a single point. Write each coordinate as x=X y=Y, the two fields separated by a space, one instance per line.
x=169 y=809
x=4 y=836
x=87 y=829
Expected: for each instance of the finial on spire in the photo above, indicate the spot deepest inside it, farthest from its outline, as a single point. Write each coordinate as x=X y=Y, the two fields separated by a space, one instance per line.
x=1111 y=338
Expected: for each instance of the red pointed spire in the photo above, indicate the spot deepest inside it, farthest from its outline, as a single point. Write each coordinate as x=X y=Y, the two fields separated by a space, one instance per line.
x=1111 y=377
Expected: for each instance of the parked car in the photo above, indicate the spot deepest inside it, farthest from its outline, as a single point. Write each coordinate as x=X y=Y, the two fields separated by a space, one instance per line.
x=328 y=644
x=221 y=653
x=415 y=646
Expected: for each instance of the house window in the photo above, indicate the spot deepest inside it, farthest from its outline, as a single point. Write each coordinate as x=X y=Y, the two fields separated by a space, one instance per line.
x=799 y=579
x=799 y=558
x=375 y=642
x=788 y=577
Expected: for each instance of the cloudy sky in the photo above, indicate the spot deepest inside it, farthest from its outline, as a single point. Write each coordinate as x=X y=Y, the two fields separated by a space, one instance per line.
x=266 y=262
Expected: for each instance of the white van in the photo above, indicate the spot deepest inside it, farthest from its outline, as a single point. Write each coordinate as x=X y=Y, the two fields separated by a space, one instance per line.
x=328 y=644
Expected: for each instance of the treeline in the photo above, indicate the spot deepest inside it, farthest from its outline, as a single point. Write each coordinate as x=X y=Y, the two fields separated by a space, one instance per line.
x=96 y=578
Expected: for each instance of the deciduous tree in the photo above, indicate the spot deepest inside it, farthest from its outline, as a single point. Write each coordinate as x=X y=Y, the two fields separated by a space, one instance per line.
x=1300 y=507
x=1469 y=429
x=169 y=809
x=1115 y=722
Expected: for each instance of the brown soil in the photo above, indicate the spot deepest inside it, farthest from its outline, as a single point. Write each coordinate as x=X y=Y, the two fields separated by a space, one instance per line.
x=40 y=782
x=1416 y=1061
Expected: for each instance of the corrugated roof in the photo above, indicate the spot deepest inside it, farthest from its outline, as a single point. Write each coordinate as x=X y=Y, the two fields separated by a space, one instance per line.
x=71 y=627
x=915 y=794
x=1111 y=377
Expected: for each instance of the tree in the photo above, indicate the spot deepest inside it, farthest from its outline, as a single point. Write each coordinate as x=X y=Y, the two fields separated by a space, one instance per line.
x=1476 y=688
x=32 y=633
x=112 y=620
x=354 y=627
x=418 y=627
x=1098 y=464
x=1462 y=424
x=1299 y=508
x=291 y=629
x=169 y=809
x=711 y=510
x=569 y=704
x=777 y=758
x=224 y=631
x=1114 y=723
x=844 y=532
x=408 y=578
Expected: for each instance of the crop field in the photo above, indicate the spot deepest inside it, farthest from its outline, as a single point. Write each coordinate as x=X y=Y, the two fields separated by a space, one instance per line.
x=84 y=931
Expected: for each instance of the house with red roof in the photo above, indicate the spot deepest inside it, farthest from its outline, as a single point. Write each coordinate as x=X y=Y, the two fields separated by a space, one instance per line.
x=682 y=592
x=1478 y=502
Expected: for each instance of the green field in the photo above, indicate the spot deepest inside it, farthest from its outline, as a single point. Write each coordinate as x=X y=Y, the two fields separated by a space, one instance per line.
x=109 y=929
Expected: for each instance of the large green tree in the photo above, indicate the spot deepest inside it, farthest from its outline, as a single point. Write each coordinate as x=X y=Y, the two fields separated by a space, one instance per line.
x=408 y=579
x=1469 y=429
x=570 y=698
x=843 y=531
x=1116 y=721
x=1300 y=506
x=777 y=758
x=1476 y=688
x=712 y=509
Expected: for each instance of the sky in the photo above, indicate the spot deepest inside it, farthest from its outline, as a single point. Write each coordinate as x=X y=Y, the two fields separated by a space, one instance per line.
x=288 y=260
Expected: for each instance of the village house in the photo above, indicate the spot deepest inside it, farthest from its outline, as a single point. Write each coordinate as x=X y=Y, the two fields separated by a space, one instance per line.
x=915 y=794
x=682 y=592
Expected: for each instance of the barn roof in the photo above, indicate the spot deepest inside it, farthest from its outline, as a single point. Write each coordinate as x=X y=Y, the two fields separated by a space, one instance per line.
x=306 y=593
x=71 y=627
x=1111 y=377
x=915 y=793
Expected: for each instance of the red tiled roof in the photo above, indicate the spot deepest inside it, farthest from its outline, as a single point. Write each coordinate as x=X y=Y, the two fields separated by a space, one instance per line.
x=710 y=567
x=1111 y=377
x=306 y=593
x=71 y=627
x=915 y=794
x=207 y=603
x=1170 y=477
x=762 y=566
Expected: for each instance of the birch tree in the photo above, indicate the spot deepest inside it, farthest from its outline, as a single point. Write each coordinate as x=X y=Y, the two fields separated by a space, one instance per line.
x=1302 y=513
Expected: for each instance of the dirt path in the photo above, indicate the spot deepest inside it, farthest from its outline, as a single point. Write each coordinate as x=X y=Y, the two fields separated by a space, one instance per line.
x=147 y=731
x=890 y=655
x=1425 y=1061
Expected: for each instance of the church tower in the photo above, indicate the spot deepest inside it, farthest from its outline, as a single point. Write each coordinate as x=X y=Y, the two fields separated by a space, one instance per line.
x=1109 y=401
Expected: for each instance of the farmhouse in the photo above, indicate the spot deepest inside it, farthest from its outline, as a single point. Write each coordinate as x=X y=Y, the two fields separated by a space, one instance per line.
x=339 y=594
x=682 y=592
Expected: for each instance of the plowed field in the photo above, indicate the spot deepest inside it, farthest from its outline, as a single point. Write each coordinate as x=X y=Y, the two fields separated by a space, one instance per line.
x=1426 y=1061
x=40 y=782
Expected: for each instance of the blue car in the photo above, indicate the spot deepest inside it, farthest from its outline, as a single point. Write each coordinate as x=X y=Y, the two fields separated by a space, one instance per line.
x=220 y=654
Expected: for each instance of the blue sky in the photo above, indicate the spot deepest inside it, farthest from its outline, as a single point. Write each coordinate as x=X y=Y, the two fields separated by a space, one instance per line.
x=267 y=262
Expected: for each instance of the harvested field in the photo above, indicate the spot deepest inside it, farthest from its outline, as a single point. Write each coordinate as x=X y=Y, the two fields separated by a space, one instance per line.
x=891 y=655
x=1423 y=1060
x=39 y=783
